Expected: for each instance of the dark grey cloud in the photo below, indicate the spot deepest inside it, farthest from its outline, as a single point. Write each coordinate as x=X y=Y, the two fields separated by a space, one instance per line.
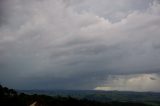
x=61 y=45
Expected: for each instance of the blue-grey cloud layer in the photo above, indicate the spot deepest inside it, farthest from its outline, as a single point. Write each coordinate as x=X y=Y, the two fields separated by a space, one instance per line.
x=71 y=44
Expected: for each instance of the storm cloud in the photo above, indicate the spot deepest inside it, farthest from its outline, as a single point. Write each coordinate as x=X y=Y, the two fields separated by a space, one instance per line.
x=72 y=44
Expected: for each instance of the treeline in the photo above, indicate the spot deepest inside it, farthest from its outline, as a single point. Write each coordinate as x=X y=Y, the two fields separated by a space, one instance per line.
x=9 y=97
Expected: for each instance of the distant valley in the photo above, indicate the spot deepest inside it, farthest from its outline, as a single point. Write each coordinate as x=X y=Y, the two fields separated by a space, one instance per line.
x=101 y=96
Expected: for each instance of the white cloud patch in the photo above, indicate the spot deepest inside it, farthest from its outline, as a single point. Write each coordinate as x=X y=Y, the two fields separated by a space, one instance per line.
x=60 y=42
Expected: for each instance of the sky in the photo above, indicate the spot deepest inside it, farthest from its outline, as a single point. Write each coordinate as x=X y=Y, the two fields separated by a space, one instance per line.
x=80 y=44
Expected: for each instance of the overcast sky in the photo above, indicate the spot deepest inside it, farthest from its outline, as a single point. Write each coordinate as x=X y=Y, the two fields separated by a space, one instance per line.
x=80 y=44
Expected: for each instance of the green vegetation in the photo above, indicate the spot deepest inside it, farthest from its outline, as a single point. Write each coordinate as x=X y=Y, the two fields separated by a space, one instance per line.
x=9 y=97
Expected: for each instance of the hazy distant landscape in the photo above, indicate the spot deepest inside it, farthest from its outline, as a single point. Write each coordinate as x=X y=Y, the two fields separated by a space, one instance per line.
x=9 y=97
x=102 y=96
